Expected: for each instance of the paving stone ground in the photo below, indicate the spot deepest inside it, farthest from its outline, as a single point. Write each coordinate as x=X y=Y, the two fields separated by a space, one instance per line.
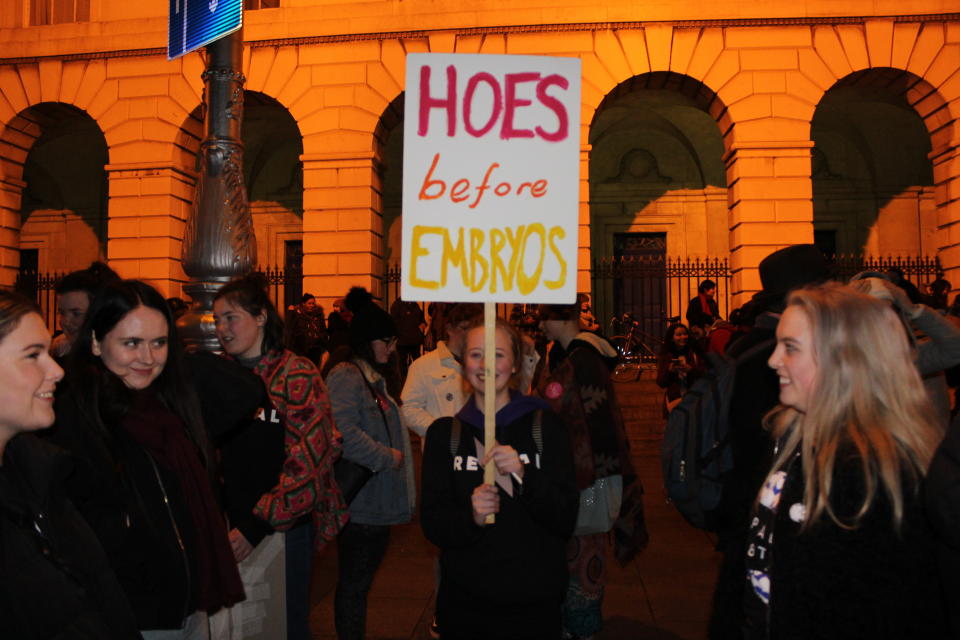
x=662 y=595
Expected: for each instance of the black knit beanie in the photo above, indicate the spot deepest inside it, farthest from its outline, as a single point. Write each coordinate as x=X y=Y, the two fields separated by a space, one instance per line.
x=370 y=321
x=787 y=269
x=792 y=267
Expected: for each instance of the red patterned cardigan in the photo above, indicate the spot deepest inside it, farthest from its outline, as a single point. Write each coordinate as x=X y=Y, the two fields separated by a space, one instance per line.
x=312 y=444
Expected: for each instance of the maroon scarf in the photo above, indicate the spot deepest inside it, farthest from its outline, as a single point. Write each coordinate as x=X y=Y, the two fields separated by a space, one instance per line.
x=163 y=435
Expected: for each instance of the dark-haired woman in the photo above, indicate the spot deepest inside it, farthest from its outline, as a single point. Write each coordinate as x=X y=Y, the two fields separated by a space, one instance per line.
x=143 y=479
x=679 y=364
x=278 y=472
x=373 y=437
x=55 y=581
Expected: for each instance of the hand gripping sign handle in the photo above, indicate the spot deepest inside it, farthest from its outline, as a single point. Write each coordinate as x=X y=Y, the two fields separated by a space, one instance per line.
x=489 y=391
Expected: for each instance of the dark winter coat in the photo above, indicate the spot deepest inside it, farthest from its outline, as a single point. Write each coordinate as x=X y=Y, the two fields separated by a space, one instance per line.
x=696 y=316
x=868 y=582
x=136 y=509
x=756 y=391
x=307 y=332
x=942 y=493
x=55 y=581
x=409 y=319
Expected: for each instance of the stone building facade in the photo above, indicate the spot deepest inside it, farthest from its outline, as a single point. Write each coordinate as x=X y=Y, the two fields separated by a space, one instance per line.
x=708 y=129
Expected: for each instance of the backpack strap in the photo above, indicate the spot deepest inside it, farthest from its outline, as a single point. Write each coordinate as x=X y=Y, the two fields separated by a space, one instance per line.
x=537 y=429
x=455 y=429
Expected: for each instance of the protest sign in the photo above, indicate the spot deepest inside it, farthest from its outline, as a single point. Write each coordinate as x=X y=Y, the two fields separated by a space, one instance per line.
x=491 y=178
x=491 y=187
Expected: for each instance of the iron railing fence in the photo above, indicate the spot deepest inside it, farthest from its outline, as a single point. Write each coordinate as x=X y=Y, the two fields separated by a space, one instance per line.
x=654 y=289
x=391 y=291
x=285 y=284
x=919 y=270
x=40 y=286
x=657 y=289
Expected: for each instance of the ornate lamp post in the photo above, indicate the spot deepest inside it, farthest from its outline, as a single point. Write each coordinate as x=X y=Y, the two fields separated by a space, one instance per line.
x=219 y=243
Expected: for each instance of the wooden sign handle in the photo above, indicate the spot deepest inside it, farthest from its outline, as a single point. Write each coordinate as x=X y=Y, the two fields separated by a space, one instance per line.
x=489 y=391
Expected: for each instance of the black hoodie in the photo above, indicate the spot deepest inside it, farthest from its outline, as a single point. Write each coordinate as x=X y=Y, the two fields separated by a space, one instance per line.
x=505 y=571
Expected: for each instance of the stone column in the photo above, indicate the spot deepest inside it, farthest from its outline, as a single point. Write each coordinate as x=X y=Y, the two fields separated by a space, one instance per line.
x=584 y=262
x=342 y=223
x=148 y=208
x=11 y=190
x=946 y=178
x=770 y=200
x=18 y=138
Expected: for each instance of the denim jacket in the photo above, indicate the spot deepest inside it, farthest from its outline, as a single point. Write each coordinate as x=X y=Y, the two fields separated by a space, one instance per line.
x=389 y=496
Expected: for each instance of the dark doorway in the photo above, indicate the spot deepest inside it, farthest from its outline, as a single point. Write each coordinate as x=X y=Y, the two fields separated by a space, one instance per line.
x=29 y=268
x=293 y=270
x=643 y=298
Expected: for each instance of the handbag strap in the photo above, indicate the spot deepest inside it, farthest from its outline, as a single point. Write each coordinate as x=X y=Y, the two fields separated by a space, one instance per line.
x=376 y=401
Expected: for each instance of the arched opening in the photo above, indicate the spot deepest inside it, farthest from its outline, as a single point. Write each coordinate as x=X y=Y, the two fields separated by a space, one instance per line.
x=657 y=190
x=389 y=150
x=63 y=208
x=872 y=177
x=273 y=173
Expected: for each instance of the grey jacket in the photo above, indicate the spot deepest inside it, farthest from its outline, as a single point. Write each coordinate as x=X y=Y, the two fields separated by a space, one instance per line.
x=388 y=497
x=938 y=352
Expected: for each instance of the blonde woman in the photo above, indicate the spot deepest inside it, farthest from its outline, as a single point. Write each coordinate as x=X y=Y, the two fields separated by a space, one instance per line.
x=838 y=545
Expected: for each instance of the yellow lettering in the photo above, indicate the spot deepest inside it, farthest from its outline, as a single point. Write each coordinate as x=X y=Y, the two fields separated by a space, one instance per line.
x=557 y=232
x=526 y=284
x=417 y=251
x=497 y=240
x=455 y=256
x=478 y=270
x=476 y=245
x=514 y=237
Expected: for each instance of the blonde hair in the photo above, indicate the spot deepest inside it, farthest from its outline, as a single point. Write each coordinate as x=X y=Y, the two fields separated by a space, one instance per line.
x=868 y=399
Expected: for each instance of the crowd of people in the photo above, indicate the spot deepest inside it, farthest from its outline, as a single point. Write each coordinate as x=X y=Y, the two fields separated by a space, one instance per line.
x=148 y=492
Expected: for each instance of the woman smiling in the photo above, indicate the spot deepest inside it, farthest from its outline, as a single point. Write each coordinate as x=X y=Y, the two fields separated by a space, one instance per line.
x=143 y=479
x=504 y=580
x=838 y=544
x=54 y=578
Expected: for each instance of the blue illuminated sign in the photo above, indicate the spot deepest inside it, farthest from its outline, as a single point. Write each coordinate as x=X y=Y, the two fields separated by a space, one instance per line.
x=195 y=23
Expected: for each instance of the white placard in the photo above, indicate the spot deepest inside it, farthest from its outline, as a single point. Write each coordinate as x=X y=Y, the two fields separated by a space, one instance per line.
x=491 y=178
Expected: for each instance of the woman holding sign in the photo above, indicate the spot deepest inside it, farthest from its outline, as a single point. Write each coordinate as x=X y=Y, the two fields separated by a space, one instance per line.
x=504 y=579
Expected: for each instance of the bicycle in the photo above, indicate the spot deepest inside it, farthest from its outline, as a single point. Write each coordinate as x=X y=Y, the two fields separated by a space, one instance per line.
x=637 y=348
